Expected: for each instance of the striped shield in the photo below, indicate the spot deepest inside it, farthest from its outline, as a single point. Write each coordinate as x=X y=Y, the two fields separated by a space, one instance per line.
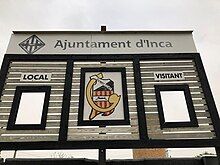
x=101 y=92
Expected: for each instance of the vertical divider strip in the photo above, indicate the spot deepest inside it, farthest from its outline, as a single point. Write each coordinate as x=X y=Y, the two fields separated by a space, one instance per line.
x=3 y=72
x=139 y=98
x=208 y=95
x=66 y=102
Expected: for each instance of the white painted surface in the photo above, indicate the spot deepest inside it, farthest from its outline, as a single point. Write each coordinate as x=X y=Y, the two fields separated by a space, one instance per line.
x=174 y=106
x=31 y=104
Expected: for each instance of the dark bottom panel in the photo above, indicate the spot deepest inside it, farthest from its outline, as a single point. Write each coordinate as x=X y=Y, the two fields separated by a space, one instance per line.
x=110 y=144
x=180 y=161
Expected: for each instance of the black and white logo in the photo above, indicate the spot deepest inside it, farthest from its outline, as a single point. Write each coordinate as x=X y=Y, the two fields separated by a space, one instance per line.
x=32 y=44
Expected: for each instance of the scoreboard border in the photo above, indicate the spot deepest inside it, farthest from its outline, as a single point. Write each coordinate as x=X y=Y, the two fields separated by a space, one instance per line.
x=144 y=141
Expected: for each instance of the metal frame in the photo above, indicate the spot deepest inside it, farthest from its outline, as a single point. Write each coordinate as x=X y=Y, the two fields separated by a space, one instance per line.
x=15 y=106
x=144 y=141
x=191 y=111
x=125 y=121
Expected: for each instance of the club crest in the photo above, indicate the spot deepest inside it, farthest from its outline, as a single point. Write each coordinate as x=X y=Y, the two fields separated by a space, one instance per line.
x=100 y=96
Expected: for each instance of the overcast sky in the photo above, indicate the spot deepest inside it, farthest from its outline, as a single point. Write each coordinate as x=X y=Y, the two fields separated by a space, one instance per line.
x=202 y=16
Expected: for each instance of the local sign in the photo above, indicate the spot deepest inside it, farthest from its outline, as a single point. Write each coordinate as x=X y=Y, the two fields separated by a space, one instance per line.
x=35 y=77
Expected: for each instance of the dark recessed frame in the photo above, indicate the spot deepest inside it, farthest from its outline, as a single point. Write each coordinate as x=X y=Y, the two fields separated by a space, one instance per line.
x=82 y=121
x=15 y=105
x=192 y=115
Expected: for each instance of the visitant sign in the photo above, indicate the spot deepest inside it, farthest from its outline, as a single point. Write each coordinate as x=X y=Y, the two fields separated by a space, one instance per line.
x=169 y=76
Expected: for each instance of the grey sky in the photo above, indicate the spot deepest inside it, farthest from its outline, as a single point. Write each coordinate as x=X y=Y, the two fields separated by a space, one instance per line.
x=202 y=16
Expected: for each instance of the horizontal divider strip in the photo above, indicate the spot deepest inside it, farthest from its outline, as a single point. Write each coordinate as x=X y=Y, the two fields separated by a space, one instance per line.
x=12 y=92
x=53 y=85
x=127 y=80
x=156 y=121
x=50 y=123
x=166 y=64
x=153 y=128
x=102 y=130
x=103 y=137
x=173 y=69
x=182 y=136
x=128 y=69
x=38 y=70
x=162 y=61
x=49 y=117
x=51 y=104
x=76 y=109
x=74 y=123
x=36 y=83
x=76 y=75
x=26 y=82
x=144 y=79
x=28 y=138
x=155 y=109
x=39 y=64
x=100 y=65
x=192 y=85
x=46 y=131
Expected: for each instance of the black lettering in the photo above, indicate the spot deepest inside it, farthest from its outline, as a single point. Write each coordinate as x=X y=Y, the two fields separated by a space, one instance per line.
x=153 y=44
x=46 y=77
x=87 y=44
x=177 y=75
x=65 y=45
x=93 y=45
x=161 y=44
x=121 y=43
x=139 y=44
x=172 y=75
x=25 y=78
x=59 y=43
x=36 y=77
x=30 y=77
x=148 y=45
x=168 y=44
x=41 y=77
x=114 y=44
x=71 y=45
x=158 y=75
x=104 y=44
x=128 y=43
x=79 y=45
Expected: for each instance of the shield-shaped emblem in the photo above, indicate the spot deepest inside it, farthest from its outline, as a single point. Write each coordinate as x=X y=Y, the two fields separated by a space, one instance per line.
x=100 y=96
x=101 y=92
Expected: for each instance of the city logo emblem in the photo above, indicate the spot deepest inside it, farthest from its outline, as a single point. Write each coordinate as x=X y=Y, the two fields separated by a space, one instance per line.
x=100 y=96
x=32 y=44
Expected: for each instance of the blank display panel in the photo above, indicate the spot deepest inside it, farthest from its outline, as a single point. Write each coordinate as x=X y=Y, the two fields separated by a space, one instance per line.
x=174 y=106
x=30 y=108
